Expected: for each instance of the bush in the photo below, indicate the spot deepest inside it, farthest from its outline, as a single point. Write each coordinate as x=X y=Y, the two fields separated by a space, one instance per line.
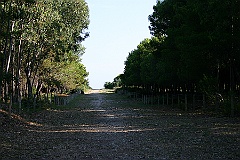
x=109 y=85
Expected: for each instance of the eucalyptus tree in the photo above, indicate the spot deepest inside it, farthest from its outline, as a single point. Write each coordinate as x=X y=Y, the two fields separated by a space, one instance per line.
x=57 y=34
x=36 y=32
x=12 y=17
x=71 y=76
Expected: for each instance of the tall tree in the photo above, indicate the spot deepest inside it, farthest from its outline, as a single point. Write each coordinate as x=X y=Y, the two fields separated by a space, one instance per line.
x=36 y=32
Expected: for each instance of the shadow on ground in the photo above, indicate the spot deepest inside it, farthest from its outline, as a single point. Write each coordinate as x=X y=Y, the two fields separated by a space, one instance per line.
x=100 y=125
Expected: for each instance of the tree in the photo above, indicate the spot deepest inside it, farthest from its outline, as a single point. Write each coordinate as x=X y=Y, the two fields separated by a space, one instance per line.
x=140 y=66
x=109 y=85
x=132 y=69
x=198 y=33
x=118 y=81
x=35 y=35
x=203 y=37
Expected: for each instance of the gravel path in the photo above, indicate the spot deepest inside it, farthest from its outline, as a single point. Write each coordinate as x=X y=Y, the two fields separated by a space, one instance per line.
x=108 y=126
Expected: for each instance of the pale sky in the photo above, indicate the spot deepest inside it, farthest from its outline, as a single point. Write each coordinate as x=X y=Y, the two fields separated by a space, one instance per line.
x=116 y=28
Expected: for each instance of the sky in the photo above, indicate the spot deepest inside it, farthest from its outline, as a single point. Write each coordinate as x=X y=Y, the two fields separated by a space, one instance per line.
x=116 y=28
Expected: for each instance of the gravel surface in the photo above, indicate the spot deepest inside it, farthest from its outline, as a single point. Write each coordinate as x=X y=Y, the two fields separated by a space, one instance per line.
x=110 y=126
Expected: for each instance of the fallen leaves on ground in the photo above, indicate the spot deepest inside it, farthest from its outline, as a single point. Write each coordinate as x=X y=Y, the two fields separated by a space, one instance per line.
x=110 y=126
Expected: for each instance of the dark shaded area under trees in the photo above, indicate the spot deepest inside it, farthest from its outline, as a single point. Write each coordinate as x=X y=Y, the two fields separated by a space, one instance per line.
x=194 y=50
x=40 y=49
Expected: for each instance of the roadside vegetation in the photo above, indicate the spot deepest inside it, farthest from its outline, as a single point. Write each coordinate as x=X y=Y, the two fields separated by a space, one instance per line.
x=191 y=63
x=194 y=51
x=40 y=51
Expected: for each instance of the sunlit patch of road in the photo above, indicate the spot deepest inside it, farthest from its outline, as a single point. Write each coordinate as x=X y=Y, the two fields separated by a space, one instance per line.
x=109 y=126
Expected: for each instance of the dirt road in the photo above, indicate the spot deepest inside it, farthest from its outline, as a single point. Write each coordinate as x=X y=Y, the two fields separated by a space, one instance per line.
x=109 y=126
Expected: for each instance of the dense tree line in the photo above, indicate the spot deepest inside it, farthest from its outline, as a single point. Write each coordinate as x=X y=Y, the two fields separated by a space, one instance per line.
x=40 y=47
x=195 y=48
x=117 y=82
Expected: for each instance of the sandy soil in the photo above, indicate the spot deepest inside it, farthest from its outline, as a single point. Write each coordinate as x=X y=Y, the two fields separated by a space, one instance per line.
x=110 y=126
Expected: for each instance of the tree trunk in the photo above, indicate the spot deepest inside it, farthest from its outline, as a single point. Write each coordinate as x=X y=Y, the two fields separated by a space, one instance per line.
x=1 y=59
x=18 y=74
x=29 y=87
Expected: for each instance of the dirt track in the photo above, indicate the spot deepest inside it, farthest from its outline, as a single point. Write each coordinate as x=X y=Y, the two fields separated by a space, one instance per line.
x=109 y=126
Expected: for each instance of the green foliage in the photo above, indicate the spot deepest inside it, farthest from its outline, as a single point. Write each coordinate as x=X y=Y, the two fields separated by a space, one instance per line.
x=199 y=34
x=117 y=82
x=195 y=47
x=141 y=63
x=40 y=44
x=192 y=39
x=109 y=85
